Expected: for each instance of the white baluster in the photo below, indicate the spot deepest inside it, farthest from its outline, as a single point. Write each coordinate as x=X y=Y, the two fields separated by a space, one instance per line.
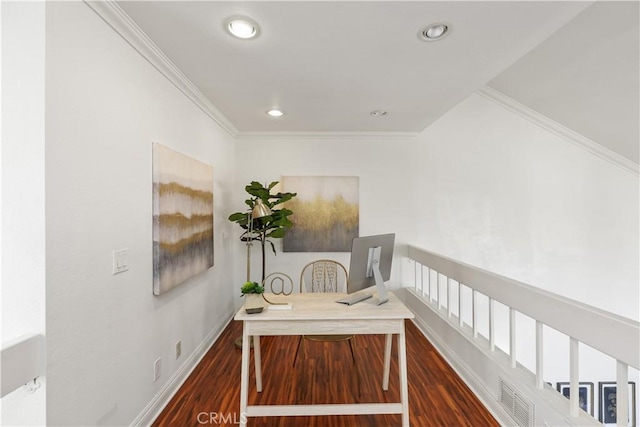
x=622 y=394
x=492 y=339
x=449 y=297
x=574 y=402
x=438 y=291
x=474 y=312
x=429 y=283
x=460 y=305
x=512 y=337
x=539 y=356
x=431 y=293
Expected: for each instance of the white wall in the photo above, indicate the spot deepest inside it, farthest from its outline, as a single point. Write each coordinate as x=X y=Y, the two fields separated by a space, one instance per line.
x=22 y=176
x=105 y=106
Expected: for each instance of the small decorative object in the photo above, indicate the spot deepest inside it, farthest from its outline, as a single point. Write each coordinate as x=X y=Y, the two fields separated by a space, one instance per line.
x=585 y=394
x=252 y=291
x=279 y=284
x=609 y=402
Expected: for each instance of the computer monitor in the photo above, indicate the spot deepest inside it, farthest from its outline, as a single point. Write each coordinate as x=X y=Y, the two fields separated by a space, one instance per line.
x=371 y=258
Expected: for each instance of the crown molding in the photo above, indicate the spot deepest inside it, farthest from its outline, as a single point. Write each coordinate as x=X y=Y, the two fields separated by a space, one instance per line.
x=559 y=130
x=352 y=136
x=122 y=24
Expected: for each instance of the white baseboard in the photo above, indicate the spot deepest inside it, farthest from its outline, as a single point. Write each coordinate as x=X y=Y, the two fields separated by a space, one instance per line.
x=164 y=396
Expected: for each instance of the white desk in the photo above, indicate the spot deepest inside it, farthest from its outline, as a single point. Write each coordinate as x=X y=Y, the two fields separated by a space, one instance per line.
x=319 y=314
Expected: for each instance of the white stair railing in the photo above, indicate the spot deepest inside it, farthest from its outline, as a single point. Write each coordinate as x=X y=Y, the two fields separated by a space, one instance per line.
x=580 y=322
x=22 y=360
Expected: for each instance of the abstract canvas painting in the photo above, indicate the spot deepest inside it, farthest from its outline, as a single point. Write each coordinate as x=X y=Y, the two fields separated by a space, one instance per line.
x=326 y=213
x=182 y=218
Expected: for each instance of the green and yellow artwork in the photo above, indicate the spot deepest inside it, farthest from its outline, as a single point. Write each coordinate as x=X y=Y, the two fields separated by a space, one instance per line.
x=326 y=213
x=182 y=218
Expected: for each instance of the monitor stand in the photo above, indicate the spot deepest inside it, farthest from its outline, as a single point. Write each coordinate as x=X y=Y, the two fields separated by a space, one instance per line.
x=374 y=263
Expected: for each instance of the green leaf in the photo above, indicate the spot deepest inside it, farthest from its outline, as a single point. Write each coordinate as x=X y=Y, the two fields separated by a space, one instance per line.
x=251 y=288
x=257 y=190
x=277 y=233
x=235 y=217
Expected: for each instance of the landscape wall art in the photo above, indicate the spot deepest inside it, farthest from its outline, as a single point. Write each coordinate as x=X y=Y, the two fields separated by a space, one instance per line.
x=326 y=213
x=182 y=218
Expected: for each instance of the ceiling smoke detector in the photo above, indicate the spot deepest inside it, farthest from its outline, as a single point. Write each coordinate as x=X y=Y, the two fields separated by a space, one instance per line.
x=434 y=32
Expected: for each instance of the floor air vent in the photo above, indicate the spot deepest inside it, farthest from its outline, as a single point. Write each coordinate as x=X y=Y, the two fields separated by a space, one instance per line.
x=519 y=408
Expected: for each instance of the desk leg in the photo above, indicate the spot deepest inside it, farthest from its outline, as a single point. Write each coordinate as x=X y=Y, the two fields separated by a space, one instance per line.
x=402 y=368
x=244 y=377
x=387 y=363
x=257 y=358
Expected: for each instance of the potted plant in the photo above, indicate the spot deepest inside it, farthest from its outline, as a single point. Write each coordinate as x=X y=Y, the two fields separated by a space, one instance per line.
x=272 y=226
x=252 y=291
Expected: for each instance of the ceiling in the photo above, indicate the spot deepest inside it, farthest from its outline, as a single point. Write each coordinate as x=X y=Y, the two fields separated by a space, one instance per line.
x=328 y=64
x=586 y=80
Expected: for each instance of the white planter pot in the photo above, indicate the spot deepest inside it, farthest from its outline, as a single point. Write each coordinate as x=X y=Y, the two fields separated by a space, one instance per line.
x=253 y=303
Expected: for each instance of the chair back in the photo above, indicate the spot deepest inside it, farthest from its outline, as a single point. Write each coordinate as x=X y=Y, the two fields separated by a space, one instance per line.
x=324 y=275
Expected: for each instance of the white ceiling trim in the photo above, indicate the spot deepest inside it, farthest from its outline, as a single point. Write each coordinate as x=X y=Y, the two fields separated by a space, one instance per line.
x=117 y=19
x=280 y=136
x=559 y=130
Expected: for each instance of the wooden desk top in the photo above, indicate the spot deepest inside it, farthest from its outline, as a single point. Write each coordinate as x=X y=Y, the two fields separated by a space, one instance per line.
x=318 y=306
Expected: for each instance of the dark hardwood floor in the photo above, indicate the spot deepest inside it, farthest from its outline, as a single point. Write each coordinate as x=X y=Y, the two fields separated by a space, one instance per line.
x=324 y=374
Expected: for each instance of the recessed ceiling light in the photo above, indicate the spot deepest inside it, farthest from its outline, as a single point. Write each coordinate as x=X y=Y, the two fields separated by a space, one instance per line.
x=378 y=113
x=242 y=27
x=275 y=113
x=434 y=32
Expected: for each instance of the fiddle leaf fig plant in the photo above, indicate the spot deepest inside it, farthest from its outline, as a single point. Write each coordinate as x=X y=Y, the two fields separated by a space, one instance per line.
x=268 y=227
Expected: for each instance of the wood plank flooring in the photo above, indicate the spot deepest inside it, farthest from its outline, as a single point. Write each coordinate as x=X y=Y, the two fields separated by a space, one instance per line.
x=324 y=373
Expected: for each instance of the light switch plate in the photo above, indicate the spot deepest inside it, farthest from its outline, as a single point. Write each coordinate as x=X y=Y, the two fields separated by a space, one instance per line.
x=120 y=260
